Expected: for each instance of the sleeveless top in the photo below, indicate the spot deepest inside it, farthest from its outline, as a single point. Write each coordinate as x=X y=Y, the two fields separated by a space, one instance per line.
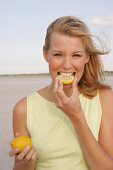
x=54 y=136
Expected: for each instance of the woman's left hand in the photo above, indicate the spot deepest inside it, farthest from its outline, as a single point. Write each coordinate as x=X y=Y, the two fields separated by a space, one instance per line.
x=68 y=104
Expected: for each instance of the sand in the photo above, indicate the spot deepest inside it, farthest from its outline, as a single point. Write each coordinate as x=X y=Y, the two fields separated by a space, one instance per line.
x=12 y=89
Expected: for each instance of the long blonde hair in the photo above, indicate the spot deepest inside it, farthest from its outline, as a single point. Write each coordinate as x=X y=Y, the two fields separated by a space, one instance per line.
x=91 y=80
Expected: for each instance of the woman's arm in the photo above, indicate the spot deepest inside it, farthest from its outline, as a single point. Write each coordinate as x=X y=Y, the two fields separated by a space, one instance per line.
x=26 y=159
x=99 y=156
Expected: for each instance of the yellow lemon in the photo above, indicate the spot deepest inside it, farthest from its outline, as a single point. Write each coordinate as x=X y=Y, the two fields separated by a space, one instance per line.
x=21 y=142
x=66 y=79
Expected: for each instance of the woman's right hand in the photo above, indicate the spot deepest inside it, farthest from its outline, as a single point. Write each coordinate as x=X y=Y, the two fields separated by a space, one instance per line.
x=25 y=160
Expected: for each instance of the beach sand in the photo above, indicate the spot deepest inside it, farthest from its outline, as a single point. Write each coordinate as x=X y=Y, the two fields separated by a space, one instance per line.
x=12 y=89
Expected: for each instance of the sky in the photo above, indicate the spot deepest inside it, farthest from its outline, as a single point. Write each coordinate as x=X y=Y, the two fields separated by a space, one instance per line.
x=23 y=25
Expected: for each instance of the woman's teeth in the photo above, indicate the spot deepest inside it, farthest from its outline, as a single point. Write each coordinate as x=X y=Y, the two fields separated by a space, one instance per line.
x=67 y=74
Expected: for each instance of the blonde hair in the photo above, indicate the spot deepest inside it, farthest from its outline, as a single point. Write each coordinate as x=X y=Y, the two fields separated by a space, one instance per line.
x=91 y=80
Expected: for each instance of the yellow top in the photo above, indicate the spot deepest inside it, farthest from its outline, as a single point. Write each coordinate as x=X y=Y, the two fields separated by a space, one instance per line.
x=54 y=136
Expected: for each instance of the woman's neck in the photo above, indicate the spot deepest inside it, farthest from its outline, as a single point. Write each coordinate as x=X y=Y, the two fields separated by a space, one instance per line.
x=47 y=92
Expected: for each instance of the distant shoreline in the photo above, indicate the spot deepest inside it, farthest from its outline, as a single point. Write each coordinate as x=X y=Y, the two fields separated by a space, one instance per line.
x=107 y=73
x=26 y=75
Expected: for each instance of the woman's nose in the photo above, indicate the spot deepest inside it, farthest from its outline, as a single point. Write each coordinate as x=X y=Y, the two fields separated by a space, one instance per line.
x=67 y=64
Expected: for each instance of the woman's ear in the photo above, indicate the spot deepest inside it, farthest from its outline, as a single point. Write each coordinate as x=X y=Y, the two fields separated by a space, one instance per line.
x=45 y=54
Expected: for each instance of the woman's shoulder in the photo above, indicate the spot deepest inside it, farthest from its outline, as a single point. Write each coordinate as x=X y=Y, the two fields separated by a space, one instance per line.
x=106 y=100
x=106 y=94
x=20 y=117
x=21 y=106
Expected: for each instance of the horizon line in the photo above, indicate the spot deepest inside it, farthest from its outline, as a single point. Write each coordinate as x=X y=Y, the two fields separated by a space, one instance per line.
x=41 y=74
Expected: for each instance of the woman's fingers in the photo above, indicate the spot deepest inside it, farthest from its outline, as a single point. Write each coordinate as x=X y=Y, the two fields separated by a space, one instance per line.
x=55 y=85
x=13 y=152
x=55 y=95
x=74 y=86
x=58 y=89
x=23 y=153
x=32 y=154
x=58 y=93
x=25 y=156
x=28 y=154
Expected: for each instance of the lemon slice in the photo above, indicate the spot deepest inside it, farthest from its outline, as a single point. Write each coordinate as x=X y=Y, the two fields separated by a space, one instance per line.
x=21 y=142
x=66 y=79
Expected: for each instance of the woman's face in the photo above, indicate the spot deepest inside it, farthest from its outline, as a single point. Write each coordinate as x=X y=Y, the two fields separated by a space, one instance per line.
x=66 y=55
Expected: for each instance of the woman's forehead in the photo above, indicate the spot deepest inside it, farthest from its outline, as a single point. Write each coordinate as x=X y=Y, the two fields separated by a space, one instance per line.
x=62 y=40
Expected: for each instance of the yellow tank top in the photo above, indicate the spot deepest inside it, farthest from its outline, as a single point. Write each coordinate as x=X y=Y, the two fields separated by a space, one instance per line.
x=54 y=136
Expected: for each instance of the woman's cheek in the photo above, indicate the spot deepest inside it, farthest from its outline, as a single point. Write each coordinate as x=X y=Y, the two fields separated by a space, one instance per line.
x=54 y=64
x=79 y=65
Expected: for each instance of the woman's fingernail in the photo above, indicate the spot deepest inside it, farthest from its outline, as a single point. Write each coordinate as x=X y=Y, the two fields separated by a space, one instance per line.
x=17 y=149
x=27 y=147
x=17 y=134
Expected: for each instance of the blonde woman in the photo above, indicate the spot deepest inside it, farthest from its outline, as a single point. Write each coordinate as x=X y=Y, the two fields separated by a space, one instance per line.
x=69 y=122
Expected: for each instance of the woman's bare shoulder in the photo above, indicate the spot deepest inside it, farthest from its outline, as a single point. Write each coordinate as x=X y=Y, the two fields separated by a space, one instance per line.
x=21 y=106
x=20 y=117
x=106 y=95
x=106 y=100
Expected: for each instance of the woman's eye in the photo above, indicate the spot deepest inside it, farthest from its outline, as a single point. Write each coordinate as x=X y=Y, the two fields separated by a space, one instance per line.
x=57 y=54
x=76 y=55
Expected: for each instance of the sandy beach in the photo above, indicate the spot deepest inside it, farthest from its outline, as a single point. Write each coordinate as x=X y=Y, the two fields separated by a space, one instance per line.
x=12 y=89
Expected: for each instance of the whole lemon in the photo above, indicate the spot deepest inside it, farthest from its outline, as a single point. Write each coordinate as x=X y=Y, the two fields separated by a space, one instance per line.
x=21 y=142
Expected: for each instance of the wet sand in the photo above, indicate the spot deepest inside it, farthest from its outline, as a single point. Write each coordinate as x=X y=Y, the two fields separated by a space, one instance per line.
x=12 y=89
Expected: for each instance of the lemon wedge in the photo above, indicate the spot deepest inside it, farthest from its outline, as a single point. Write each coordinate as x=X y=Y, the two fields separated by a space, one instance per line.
x=66 y=79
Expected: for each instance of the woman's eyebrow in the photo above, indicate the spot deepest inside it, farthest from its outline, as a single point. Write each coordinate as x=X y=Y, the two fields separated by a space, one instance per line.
x=80 y=51
x=54 y=51
x=75 y=52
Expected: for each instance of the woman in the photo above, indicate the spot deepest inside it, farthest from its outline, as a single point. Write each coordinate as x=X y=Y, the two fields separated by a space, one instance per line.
x=70 y=124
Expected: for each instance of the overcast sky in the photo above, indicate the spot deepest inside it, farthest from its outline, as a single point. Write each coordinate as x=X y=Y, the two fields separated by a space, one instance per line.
x=23 y=25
